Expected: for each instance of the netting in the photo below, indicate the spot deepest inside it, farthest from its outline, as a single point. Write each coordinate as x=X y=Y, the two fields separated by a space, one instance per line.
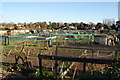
x=74 y=39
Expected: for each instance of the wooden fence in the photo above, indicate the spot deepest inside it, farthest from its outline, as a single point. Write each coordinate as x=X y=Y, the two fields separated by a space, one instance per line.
x=73 y=59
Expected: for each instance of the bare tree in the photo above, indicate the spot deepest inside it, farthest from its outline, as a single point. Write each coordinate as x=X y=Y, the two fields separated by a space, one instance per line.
x=108 y=21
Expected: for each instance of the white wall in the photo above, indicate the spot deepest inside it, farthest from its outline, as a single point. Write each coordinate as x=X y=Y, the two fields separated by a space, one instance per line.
x=14 y=32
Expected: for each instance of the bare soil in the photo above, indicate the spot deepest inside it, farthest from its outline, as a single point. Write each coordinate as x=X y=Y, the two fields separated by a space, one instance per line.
x=32 y=56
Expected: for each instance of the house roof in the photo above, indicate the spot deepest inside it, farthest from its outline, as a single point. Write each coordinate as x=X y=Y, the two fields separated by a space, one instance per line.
x=11 y=27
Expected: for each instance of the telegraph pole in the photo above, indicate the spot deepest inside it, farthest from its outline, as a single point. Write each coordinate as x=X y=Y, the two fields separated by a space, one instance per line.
x=119 y=11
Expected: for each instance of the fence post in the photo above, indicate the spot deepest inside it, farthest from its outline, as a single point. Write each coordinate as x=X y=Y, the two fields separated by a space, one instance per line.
x=115 y=54
x=84 y=65
x=92 y=56
x=5 y=41
x=92 y=53
x=8 y=40
x=15 y=59
x=56 y=64
x=40 y=66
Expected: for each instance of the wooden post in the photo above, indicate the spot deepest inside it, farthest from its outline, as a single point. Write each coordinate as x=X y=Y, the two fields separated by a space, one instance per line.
x=92 y=53
x=8 y=40
x=75 y=70
x=92 y=50
x=89 y=40
x=56 y=65
x=5 y=41
x=15 y=59
x=40 y=66
x=84 y=65
x=115 y=54
x=98 y=54
x=92 y=63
